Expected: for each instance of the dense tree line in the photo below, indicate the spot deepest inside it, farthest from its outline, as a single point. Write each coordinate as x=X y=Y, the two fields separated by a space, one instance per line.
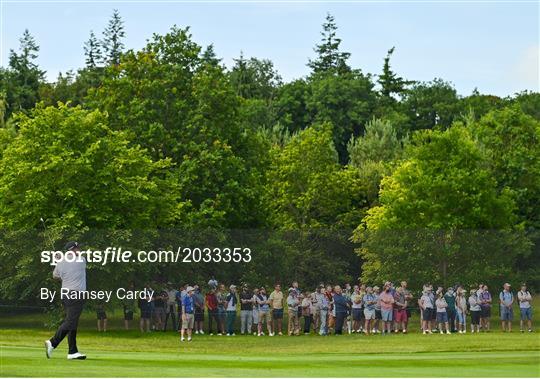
x=335 y=175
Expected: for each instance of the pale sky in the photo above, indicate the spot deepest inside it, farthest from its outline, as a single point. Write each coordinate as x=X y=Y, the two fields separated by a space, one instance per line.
x=493 y=46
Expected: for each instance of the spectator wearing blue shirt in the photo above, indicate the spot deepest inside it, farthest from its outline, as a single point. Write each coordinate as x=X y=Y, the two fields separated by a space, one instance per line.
x=341 y=306
x=188 y=318
x=506 y=300
x=369 y=300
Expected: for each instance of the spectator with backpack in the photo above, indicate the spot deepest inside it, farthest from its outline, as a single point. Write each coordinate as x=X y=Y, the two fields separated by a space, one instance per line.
x=525 y=308
x=506 y=300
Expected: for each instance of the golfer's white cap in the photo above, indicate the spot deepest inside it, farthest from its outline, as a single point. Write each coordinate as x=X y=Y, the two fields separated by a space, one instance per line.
x=189 y=289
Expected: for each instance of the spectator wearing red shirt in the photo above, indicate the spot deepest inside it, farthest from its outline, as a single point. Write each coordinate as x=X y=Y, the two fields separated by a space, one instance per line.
x=212 y=307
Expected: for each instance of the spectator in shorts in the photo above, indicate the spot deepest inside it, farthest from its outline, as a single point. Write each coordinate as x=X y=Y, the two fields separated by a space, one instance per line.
x=146 y=313
x=400 y=310
x=506 y=300
x=232 y=300
x=188 y=318
x=198 y=299
x=179 y=297
x=485 y=308
x=212 y=309
x=525 y=309
x=293 y=302
x=369 y=300
x=276 y=302
x=474 y=307
x=442 y=315
x=101 y=317
x=246 y=310
x=306 y=312
x=378 y=315
x=427 y=307
x=264 y=312
x=356 y=309
x=386 y=300
x=461 y=310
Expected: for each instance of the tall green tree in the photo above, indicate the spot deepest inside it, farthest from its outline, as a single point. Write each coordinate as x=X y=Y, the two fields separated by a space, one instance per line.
x=330 y=59
x=113 y=36
x=209 y=56
x=311 y=195
x=380 y=143
x=254 y=78
x=92 y=51
x=346 y=101
x=391 y=84
x=22 y=79
x=511 y=139
x=441 y=216
x=431 y=104
x=177 y=106
x=68 y=166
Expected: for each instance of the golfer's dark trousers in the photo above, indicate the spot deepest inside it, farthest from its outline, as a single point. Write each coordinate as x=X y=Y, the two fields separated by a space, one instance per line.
x=73 y=309
x=340 y=319
x=172 y=315
x=213 y=314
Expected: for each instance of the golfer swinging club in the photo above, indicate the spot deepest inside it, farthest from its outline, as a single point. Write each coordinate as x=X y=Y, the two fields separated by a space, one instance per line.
x=72 y=272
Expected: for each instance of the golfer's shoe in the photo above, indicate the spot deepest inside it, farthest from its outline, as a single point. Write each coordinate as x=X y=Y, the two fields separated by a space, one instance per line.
x=48 y=349
x=76 y=355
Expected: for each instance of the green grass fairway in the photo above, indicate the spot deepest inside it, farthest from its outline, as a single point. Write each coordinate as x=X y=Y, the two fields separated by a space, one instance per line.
x=130 y=354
